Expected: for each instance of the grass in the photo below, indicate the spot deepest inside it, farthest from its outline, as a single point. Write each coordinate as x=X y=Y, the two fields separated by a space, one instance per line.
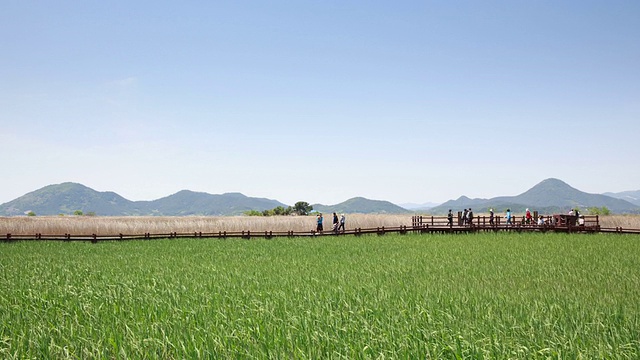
x=437 y=296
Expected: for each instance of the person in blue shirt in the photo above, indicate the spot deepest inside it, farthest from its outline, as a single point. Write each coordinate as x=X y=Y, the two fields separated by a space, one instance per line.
x=508 y=217
x=320 y=219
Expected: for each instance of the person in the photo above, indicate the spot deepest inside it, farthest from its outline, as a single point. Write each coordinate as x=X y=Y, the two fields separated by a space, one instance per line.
x=342 y=220
x=470 y=217
x=320 y=219
x=540 y=220
x=528 y=216
x=450 y=218
x=508 y=217
x=580 y=220
x=464 y=217
x=490 y=216
x=335 y=223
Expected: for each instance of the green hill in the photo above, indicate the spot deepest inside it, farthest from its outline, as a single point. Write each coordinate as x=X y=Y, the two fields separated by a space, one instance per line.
x=549 y=196
x=66 y=198
x=630 y=196
x=362 y=206
x=188 y=202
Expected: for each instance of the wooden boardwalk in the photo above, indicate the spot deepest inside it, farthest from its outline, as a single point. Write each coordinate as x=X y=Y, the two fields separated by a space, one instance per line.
x=420 y=225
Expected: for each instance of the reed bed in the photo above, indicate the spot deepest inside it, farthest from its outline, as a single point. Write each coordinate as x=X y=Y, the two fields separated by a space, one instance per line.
x=133 y=225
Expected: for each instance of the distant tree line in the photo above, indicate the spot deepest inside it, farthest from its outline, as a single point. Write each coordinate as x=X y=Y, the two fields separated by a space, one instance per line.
x=300 y=208
x=76 y=213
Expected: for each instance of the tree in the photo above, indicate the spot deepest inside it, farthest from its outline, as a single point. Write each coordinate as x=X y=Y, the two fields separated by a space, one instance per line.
x=268 y=212
x=31 y=213
x=599 y=211
x=77 y=213
x=302 y=208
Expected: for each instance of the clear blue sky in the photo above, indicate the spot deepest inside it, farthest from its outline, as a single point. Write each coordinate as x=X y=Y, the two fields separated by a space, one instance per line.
x=319 y=101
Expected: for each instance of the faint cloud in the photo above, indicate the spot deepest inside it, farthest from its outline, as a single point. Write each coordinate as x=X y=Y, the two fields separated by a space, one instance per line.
x=125 y=83
x=121 y=92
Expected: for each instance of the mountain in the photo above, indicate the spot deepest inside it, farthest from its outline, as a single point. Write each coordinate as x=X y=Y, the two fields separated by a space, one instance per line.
x=362 y=206
x=630 y=196
x=549 y=196
x=413 y=206
x=68 y=197
x=187 y=202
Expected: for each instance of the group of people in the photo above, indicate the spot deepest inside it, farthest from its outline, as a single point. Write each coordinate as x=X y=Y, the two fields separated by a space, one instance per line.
x=338 y=224
x=466 y=218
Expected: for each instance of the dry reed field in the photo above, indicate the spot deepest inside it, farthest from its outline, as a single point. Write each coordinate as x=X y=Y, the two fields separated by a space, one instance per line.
x=134 y=225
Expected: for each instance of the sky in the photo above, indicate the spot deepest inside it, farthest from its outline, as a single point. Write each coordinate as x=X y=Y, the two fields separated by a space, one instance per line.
x=319 y=101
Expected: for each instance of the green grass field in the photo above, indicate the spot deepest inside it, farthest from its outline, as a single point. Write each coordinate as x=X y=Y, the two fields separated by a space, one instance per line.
x=406 y=297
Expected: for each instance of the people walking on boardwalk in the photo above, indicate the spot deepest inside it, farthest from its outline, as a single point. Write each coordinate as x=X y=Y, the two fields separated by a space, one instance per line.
x=464 y=217
x=319 y=221
x=508 y=217
x=450 y=218
x=335 y=223
x=342 y=220
x=491 y=216
x=470 y=217
x=527 y=216
x=541 y=220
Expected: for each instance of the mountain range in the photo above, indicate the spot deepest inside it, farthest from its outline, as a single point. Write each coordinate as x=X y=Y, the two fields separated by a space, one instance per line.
x=630 y=196
x=549 y=196
x=67 y=198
